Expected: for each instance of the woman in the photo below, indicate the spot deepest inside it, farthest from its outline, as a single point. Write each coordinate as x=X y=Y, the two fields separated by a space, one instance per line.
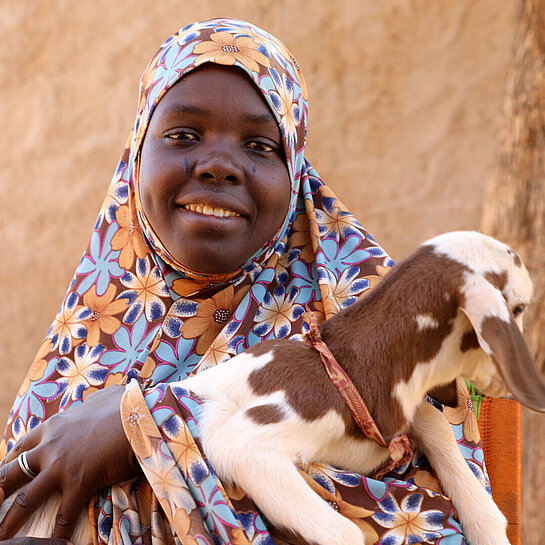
x=215 y=234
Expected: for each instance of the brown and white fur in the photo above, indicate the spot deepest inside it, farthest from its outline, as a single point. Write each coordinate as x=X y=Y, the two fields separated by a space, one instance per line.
x=451 y=310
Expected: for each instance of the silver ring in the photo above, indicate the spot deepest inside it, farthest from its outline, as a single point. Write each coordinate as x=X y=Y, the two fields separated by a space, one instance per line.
x=25 y=468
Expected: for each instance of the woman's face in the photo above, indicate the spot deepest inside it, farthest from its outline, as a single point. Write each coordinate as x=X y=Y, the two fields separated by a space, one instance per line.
x=213 y=178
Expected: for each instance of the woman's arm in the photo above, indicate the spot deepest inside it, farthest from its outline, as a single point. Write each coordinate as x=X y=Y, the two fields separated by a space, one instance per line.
x=77 y=453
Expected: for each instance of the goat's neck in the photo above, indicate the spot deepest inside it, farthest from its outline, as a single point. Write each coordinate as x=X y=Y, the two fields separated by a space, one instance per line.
x=438 y=374
x=382 y=358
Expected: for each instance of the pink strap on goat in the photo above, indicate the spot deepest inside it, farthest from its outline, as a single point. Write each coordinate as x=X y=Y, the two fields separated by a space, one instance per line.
x=400 y=447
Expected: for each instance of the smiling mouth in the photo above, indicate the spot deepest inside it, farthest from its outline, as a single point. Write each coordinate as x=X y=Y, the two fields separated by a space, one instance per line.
x=211 y=210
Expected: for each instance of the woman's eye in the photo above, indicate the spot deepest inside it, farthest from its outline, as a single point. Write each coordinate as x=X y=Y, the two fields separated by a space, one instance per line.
x=518 y=310
x=181 y=135
x=256 y=145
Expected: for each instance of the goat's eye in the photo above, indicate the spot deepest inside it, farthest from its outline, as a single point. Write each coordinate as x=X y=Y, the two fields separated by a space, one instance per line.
x=518 y=310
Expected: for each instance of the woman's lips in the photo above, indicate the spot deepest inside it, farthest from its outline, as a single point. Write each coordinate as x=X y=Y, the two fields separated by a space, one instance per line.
x=207 y=210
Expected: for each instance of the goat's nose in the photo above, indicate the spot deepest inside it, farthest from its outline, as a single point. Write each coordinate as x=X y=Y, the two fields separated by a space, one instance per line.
x=218 y=165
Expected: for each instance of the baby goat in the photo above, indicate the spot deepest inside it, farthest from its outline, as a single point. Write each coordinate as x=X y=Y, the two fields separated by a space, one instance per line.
x=451 y=310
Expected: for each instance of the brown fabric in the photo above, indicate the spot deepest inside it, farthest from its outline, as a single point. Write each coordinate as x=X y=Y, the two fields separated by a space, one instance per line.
x=499 y=424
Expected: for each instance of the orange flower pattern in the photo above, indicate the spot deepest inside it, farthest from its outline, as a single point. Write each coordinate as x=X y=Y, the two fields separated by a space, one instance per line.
x=38 y=366
x=129 y=238
x=211 y=316
x=103 y=313
x=224 y=48
x=464 y=413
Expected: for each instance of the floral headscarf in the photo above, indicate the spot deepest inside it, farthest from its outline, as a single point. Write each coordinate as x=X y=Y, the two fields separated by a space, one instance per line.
x=132 y=311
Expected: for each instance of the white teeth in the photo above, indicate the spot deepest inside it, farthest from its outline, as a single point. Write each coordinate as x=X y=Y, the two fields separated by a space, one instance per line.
x=210 y=211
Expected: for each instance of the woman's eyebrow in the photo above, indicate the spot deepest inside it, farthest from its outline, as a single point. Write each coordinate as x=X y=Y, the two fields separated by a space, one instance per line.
x=185 y=109
x=265 y=121
x=174 y=109
x=259 y=118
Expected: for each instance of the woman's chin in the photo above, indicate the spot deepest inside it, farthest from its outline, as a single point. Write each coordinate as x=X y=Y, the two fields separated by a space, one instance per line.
x=211 y=258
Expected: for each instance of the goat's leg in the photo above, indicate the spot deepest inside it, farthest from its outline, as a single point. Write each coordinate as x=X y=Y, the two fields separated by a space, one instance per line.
x=241 y=452
x=282 y=495
x=482 y=521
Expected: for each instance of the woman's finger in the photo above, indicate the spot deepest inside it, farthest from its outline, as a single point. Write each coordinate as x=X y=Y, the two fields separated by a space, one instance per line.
x=26 y=443
x=12 y=475
x=14 y=452
x=67 y=516
x=26 y=500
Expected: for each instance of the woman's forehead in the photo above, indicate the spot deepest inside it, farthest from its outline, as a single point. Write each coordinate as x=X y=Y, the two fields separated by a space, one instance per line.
x=211 y=88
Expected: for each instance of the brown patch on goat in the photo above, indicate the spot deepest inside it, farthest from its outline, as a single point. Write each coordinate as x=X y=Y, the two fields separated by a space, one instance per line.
x=298 y=371
x=469 y=341
x=516 y=257
x=266 y=414
x=376 y=341
x=498 y=280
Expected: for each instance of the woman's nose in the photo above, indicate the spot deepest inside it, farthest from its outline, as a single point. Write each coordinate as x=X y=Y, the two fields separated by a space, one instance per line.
x=218 y=164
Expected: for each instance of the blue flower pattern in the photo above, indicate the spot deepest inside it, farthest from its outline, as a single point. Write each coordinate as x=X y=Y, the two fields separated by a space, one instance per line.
x=100 y=264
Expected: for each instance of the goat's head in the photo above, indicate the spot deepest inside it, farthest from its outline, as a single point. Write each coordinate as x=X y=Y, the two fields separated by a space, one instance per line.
x=496 y=290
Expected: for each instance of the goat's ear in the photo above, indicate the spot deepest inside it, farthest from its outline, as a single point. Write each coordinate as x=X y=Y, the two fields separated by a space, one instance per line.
x=500 y=337
x=445 y=394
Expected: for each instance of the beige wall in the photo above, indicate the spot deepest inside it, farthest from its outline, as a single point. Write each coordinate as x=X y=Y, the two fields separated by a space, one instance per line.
x=405 y=110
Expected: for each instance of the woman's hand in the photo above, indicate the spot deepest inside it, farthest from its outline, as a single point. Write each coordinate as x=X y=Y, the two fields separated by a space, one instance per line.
x=76 y=452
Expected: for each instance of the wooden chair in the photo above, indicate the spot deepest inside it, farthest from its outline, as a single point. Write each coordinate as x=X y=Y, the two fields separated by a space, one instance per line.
x=499 y=424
